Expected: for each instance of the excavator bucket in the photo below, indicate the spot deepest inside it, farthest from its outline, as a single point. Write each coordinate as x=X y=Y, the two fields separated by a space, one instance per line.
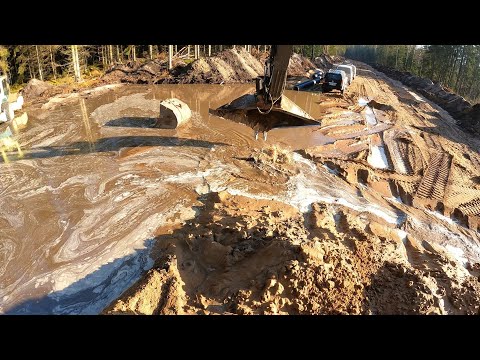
x=284 y=113
x=254 y=109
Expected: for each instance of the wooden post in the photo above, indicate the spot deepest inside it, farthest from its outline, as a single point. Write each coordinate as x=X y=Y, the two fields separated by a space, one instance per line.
x=150 y=49
x=209 y=50
x=188 y=51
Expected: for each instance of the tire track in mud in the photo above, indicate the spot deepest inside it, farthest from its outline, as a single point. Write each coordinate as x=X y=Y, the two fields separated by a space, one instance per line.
x=426 y=134
x=435 y=179
x=471 y=207
x=399 y=152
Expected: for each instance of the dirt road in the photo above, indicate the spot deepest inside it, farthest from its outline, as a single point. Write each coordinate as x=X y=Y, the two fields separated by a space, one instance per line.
x=376 y=211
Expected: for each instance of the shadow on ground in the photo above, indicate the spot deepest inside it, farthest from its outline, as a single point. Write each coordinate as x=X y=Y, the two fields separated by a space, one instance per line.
x=109 y=144
x=92 y=293
x=134 y=122
x=142 y=122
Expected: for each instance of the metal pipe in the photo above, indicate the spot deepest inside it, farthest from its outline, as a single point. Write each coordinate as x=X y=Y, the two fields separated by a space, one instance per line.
x=306 y=84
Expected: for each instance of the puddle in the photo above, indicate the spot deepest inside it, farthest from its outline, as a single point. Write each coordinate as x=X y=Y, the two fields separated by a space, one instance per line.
x=96 y=181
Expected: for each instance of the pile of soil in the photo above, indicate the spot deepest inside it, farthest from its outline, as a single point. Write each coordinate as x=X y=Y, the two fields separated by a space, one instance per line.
x=229 y=66
x=326 y=62
x=139 y=72
x=467 y=115
x=470 y=119
x=41 y=92
x=40 y=89
x=249 y=256
x=299 y=65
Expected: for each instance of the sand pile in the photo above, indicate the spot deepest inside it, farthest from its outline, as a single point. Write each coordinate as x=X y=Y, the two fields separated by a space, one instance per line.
x=248 y=256
x=138 y=72
x=468 y=116
x=229 y=66
x=299 y=65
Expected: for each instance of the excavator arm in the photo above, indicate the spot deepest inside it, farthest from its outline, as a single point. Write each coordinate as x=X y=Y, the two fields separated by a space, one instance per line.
x=270 y=87
x=268 y=107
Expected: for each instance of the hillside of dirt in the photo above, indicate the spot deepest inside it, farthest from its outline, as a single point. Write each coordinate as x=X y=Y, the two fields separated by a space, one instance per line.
x=251 y=256
x=467 y=115
x=229 y=66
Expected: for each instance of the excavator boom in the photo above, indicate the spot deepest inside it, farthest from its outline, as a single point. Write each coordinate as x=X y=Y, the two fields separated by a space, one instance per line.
x=272 y=84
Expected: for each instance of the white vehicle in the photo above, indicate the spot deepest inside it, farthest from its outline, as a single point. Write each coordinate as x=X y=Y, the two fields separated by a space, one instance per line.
x=7 y=108
x=348 y=70
x=354 y=70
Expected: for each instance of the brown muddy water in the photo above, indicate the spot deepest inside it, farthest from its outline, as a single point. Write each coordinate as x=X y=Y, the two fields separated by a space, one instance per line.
x=80 y=208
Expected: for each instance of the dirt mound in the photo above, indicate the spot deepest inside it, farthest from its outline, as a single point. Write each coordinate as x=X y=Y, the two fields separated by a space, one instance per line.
x=37 y=91
x=247 y=256
x=229 y=66
x=138 y=72
x=470 y=119
x=324 y=62
x=457 y=106
x=35 y=88
x=299 y=65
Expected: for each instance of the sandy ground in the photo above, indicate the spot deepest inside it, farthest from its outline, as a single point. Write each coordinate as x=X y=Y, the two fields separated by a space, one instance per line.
x=253 y=255
x=247 y=256
x=375 y=211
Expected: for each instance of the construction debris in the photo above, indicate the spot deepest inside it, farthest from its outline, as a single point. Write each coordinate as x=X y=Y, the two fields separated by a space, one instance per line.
x=173 y=113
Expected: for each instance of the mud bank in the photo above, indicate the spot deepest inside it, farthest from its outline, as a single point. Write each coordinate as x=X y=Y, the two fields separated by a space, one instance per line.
x=468 y=115
x=248 y=256
x=227 y=67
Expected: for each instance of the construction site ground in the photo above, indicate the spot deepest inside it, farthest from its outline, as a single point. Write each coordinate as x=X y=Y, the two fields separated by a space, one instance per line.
x=375 y=211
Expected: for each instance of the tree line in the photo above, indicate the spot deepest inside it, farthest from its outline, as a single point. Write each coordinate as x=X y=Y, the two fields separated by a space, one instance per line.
x=50 y=62
x=53 y=62
x=456 y=67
